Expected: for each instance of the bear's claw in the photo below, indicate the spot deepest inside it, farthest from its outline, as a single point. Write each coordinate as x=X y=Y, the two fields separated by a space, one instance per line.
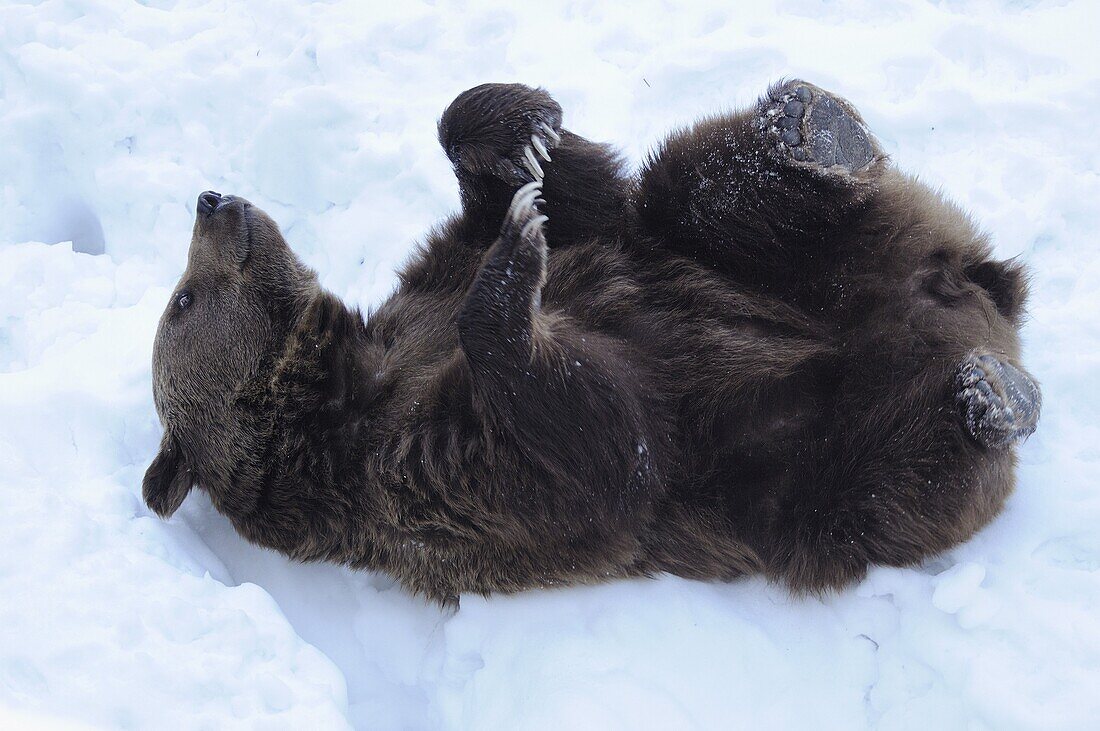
x=543 y=139
x=813 y=127
x=524 y=220
x=999 y=403
x=524 y=202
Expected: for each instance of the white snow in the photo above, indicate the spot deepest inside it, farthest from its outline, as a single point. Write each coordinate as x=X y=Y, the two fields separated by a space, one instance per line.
x=114 y=116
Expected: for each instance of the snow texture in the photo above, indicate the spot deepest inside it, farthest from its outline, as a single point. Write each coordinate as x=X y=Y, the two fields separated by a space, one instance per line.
x=114 y=116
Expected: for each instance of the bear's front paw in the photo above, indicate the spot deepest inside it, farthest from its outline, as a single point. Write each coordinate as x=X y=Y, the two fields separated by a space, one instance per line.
x=504 y=130
x=999 y=403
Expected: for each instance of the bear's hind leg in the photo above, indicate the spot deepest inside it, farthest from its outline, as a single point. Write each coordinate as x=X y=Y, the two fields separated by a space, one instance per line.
x=895 y=484
x=757 y=189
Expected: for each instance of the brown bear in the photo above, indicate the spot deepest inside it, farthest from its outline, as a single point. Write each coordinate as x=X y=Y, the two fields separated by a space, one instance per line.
x=767 y=351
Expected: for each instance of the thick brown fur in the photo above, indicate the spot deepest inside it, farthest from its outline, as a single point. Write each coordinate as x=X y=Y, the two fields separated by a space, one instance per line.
x=730 y=363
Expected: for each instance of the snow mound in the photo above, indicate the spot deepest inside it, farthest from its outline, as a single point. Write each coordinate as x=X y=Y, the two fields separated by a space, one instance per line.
x=115 y=115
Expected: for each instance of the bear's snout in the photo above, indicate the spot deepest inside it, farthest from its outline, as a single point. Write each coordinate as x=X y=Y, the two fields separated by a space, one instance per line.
x=209 y=202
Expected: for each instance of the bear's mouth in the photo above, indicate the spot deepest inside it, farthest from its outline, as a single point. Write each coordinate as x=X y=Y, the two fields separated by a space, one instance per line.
x=246 y=220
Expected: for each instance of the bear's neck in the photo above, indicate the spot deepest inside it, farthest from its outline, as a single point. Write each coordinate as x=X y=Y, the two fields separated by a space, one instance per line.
x=303 y=488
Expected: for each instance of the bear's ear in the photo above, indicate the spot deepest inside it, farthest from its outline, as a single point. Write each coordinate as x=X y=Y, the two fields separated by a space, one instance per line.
x=168 y=479
x=1005 y=281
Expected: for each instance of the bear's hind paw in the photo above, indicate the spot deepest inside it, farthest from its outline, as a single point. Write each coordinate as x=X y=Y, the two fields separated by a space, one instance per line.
x=999 y=403
x=814 y=128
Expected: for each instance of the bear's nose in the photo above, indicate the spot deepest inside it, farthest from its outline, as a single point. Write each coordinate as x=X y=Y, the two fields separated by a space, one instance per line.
x=208 y=201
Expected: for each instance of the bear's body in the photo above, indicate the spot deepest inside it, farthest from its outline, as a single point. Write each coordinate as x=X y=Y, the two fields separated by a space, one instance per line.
x=751 y=358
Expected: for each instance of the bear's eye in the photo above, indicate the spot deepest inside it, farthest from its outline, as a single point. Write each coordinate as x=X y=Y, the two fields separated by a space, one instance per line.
x=184 y=300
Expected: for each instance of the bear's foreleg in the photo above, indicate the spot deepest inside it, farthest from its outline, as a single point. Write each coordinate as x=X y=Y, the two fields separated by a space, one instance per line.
x=566 y=401
x=496 y=322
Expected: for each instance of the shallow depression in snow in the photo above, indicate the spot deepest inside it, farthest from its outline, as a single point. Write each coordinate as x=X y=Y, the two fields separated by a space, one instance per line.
x=115 y=116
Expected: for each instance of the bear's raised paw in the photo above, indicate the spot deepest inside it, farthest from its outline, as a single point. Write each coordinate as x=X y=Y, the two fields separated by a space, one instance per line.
x=812 y=127
x=506 y=131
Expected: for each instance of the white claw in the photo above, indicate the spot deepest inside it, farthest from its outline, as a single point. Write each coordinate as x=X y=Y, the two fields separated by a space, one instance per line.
x=533 y=185
x=554 y=136
x=532 y=163
x=533 y=224
x=529 y=169
x=540 y=148
x=524 y=198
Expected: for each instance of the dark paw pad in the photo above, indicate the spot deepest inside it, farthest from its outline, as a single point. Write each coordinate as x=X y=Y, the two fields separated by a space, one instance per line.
x=999 y=403
x=812 y=126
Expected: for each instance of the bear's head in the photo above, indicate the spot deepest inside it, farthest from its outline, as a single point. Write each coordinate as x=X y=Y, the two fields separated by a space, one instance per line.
x=232 y=307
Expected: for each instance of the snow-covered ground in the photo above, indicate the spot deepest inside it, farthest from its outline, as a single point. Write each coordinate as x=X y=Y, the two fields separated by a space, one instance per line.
x=114 y=115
